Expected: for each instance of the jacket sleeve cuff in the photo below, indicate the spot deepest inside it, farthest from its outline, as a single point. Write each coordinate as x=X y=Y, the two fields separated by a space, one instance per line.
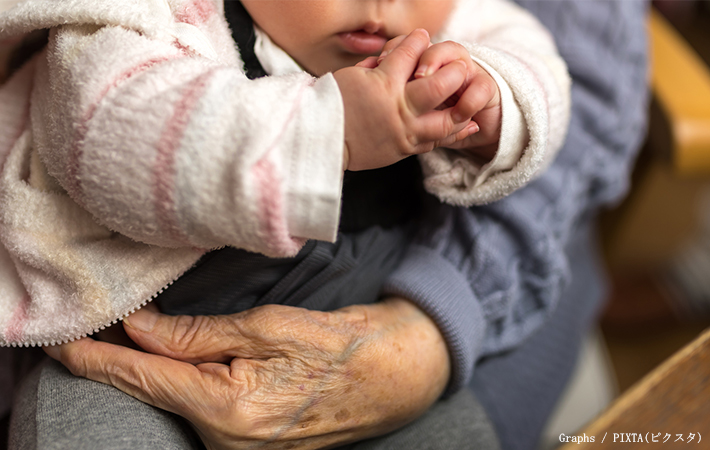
x=315 y=172
x=441 y=291
x=513 y=130
x=455 y=176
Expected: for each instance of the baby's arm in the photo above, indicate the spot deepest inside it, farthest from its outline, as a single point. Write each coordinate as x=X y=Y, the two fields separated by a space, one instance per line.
x=180 y=150
x=534 y=86
x=174 y=149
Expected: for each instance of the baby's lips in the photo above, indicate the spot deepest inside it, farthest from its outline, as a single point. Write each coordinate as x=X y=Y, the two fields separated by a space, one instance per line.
x=361 y=42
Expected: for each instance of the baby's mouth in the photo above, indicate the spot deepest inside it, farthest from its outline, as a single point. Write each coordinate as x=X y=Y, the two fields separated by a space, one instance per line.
x=360 y=42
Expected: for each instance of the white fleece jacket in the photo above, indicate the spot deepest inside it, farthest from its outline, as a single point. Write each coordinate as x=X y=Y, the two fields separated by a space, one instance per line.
x=135 y=141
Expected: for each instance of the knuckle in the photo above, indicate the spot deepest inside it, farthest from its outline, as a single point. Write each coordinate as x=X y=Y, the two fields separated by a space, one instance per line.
x=408 y=52
x=418 y=147
x=439 y=88
x=408 y=145
x=432 y=54
x=449 y=49
x=455 y=46
x=185 y=331
x=74 y=360
x=262 y=315
x=266 y=323
x=468 y=108
x=488 y=89
x=447 y=128
x=134 y=380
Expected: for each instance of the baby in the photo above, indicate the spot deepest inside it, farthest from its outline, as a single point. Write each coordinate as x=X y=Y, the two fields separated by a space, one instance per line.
x=141 y=138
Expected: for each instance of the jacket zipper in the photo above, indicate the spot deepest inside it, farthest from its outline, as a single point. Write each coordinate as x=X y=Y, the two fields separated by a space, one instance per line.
x=96 y=330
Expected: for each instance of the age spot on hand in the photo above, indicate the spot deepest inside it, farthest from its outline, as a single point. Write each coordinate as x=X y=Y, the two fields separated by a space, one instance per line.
x=342 y=415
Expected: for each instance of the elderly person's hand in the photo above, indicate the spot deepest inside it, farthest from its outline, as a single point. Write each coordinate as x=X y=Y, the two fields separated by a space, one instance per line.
x=277 y=376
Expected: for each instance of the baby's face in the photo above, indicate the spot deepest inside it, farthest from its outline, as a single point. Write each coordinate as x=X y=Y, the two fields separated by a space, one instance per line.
x=327 y=35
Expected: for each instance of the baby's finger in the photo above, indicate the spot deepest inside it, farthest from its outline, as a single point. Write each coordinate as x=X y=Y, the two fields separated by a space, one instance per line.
x=439 y=55
x=389 y=46
x=481 y=92
x=436 y=126
x=477 y=140
x=425 y=94
x=460 y=136
x=403 y=59
x=368 y=63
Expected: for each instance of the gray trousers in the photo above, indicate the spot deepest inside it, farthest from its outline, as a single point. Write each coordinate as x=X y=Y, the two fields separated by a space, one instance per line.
x=56 y=410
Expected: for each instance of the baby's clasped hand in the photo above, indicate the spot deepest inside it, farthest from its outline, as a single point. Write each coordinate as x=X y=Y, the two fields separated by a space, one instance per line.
x=390 y=115
x=478 y=97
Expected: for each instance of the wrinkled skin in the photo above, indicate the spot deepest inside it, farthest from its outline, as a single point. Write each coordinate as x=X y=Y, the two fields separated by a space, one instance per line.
x=277 y=377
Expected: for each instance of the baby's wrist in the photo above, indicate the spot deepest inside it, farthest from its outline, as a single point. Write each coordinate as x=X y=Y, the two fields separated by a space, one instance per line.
x=484 y=153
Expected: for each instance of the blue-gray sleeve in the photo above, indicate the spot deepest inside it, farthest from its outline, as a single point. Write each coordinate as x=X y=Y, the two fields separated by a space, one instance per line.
x=490 y=275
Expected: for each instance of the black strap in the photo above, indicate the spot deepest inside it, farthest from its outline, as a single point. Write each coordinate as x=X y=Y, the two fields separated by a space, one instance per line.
x=31 y=44
x=243 y=34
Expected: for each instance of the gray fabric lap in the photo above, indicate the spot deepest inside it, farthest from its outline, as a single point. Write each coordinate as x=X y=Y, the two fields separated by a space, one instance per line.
x=458 y=422
x=56 y=410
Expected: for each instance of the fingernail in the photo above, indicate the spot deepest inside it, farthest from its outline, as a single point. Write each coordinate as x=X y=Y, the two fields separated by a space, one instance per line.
x=53 y=351
x=142 y=320
x=421 y=71
x=457 y=117
x=473 y=128
x=382 y=55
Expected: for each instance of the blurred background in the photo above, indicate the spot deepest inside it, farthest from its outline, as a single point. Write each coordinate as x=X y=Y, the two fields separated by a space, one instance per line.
x=657 y=242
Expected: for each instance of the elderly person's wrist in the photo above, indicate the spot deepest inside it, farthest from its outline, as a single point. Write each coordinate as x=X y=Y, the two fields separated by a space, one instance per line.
x=408 y=358
x=414 y=333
